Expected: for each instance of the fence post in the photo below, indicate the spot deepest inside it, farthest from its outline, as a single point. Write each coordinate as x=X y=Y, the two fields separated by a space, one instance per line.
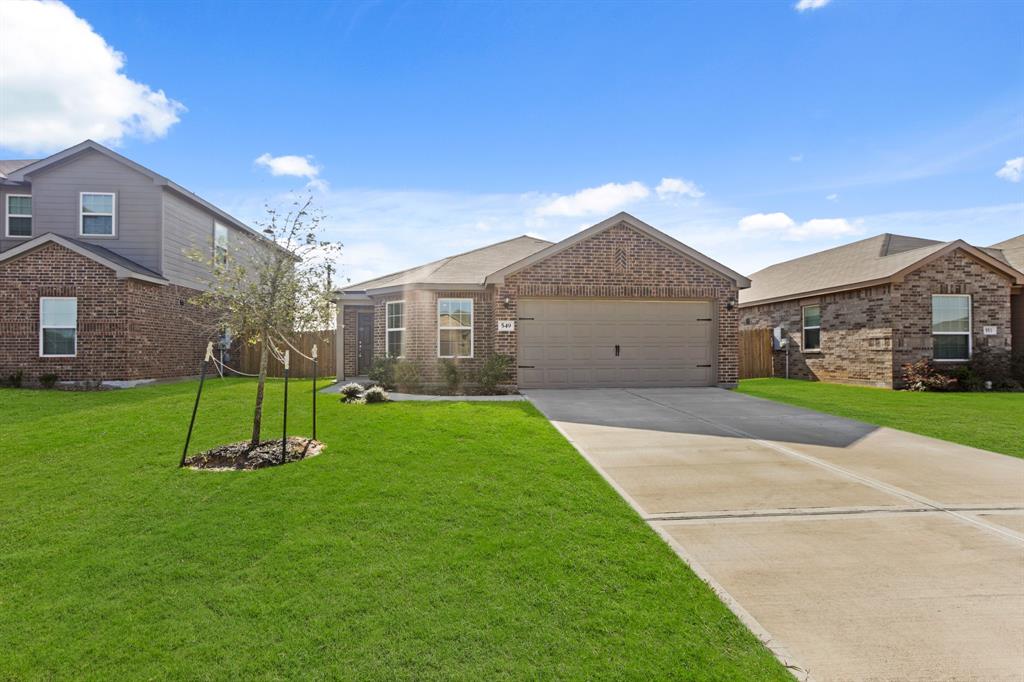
x=195 y=408
x=314 y=390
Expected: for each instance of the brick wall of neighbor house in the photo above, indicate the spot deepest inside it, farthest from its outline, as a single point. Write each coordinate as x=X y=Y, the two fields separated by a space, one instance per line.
x=955 y=273
x=126 y=329
x=856 y=336
x=621 y=262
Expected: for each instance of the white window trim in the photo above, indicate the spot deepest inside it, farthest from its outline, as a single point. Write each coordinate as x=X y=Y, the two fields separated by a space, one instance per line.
x=112 y=214
x=41 y=327
x=804 y=327
x=472 y=320
x=8 y=215
x=970 y=328
x=388 y=328
x=227 y=241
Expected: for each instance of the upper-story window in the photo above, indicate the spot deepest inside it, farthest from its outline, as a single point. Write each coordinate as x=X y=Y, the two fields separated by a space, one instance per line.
x=455 y=327
x=97 y=216
x=19 y=215
x=951 y=327
x=220 y=244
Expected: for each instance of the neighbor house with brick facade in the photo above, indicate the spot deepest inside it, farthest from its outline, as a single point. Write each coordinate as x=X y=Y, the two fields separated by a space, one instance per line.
x=858 y=313
x=97 y=272
x=618 y=304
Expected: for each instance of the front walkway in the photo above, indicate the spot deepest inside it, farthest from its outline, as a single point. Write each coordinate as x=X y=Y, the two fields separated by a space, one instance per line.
x=856 y=552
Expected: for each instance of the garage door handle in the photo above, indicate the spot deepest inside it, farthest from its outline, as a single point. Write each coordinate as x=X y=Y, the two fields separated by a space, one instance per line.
x=616 y=350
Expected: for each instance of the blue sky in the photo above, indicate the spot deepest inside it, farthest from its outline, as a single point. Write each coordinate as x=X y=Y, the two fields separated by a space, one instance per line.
x=431 y=128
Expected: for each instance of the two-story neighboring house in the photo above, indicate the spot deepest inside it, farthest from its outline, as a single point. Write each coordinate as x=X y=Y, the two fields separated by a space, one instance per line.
x=95 y=269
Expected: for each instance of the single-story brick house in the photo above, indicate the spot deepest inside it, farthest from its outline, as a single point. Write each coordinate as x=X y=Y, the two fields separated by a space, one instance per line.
x=618 y=304
x=858 y=313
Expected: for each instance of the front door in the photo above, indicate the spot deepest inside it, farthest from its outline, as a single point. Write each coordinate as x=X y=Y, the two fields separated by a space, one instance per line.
x=364 y=343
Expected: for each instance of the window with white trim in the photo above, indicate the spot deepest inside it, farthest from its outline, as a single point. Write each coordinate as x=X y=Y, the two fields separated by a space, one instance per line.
x=395 y=336
x=19 y=215
x=812 y=327
x=97 y=215
x=455 y=327
x=220 y=244
x=951 y=327
x=58 y=327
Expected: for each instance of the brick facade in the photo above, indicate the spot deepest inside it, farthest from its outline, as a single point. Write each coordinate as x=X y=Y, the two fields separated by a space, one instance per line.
x=127 y=329
x=619 y=262
x=868 y=334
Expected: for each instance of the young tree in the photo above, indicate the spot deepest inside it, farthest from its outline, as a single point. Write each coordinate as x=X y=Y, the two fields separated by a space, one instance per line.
x=263 y=290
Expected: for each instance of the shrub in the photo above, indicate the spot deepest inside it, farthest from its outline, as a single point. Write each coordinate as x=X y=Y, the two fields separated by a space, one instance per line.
x=13 y=380
x=923 y=376
x=350 y=392
x=1017 y=367
x=376 y=394
x=989 y=365
x=383 y=372
x=48 y=380
x=450 y=374
x=493 y=372
x=407 y=377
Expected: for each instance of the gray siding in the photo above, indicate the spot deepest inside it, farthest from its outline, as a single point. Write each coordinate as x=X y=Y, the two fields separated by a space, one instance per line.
x=55 y=206
x=188 y=228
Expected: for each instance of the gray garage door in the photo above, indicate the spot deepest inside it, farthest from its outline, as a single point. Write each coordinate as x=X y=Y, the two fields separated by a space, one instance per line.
x=579 y=343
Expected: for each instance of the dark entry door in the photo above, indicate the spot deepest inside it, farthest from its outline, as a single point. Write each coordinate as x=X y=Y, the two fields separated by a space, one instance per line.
x=364 y=343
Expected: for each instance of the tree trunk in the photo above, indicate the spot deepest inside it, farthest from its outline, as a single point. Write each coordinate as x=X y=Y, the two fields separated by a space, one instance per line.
x=257 y=415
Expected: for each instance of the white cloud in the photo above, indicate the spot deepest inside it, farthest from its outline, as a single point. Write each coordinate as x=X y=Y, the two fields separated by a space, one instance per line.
x=833 y=197
x=796 y=158
x=669 y=186
x=1012 y=170
x=804 y=5
x=62 y=83
x=784 y=227
x=595 y=200
x=764 y=222
x=299 y=166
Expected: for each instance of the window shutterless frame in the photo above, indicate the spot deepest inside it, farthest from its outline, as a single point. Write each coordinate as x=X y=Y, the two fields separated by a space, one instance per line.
x=452 y=327
x=71 y=324
x=112 y=213
x=967 y=332
x=389 y=318
x=14 y=214
x=220 y=244
x=809 y=327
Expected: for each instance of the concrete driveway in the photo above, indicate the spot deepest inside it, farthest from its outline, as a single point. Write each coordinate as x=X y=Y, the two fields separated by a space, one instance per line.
x=856 y=552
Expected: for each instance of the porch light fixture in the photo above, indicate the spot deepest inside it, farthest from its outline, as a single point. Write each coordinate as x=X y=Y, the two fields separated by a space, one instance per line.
x=508 y=302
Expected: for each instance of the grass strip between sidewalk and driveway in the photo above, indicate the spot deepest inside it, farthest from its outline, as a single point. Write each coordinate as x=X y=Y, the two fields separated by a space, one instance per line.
x=990 y=421
x=430 y=540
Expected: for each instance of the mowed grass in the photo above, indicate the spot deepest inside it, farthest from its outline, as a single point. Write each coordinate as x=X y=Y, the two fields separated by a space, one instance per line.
x=990 y=421
x=445 y=540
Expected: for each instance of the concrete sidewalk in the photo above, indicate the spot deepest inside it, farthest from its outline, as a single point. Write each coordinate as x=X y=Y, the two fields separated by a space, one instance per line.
x=860 y=552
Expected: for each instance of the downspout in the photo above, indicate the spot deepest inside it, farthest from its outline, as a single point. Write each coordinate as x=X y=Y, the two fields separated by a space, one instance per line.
x=340 y=346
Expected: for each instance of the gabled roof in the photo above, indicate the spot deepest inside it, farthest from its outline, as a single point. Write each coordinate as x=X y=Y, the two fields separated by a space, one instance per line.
x=122 y=267
x=22 y=173
x=465 y=270
x=8 y=166
x=1012 y=251
x=868 y=262
x=499 y=276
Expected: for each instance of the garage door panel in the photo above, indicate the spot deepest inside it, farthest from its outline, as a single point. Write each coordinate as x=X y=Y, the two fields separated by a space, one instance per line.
x=571 y=343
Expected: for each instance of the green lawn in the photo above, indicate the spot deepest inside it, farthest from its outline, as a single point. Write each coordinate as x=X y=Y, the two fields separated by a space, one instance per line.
x=431 y=540
x=991 y=421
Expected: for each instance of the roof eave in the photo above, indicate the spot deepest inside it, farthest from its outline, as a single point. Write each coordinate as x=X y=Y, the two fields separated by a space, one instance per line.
x=49 y=238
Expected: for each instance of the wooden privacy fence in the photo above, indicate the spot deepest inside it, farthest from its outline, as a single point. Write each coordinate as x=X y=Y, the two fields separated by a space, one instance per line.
x=755 y=353
x=249 y=356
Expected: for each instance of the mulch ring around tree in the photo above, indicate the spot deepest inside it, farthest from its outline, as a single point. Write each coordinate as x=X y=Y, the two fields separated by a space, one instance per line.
x=245 y=457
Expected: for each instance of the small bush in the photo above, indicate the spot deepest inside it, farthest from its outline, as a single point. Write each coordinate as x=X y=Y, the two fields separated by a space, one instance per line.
x=376 y=394
x=47 y=380
x=493 y=372
x=13 y=380
x=923 y=376
x=350 y=392
x=450 y=373
x=383 y=372
x=1017 y=367
x=989 y=365
x=407 y=377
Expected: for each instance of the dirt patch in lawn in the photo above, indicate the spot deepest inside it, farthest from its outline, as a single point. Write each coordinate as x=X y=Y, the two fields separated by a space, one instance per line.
x=246 y=457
